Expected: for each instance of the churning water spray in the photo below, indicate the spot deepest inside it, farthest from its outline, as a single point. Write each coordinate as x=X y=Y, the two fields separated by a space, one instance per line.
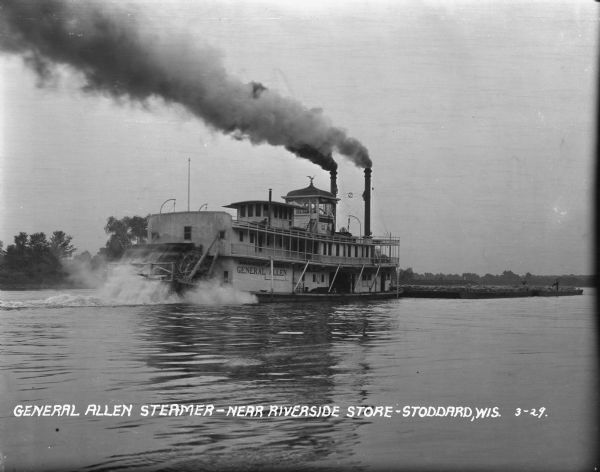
x=124 y=287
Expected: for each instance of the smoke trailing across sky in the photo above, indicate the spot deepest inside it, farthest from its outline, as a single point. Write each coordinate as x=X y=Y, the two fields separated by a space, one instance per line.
x=116 y=57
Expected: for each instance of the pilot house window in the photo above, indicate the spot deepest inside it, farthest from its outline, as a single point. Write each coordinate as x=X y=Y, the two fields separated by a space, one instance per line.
x=187 y=232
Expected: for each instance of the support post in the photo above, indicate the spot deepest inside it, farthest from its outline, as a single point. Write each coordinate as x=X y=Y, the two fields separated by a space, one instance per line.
x=359 y=277
x=212 y=264
x=271 y=275
x=334 y=276
x=301 y=275
x=375 y=278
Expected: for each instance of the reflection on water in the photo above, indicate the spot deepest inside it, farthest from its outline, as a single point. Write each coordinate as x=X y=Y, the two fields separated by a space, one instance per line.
x=507 y=353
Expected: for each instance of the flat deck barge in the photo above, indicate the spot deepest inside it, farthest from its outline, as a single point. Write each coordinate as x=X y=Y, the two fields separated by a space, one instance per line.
x=469 y=292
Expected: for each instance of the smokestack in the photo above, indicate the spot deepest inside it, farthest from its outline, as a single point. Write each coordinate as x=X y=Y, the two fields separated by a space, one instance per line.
x=333 y=189
x=367 y=198
x=270 y=201
x=333 y=179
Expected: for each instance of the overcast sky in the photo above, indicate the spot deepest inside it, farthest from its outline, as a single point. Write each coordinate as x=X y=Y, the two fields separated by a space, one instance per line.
x=479 y=118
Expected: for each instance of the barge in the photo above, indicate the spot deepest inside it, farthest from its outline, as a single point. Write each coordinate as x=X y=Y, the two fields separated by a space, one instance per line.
x=478 y=292
x=285 y=250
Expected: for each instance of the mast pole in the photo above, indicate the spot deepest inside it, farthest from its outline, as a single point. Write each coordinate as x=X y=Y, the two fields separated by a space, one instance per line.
x=188 y=184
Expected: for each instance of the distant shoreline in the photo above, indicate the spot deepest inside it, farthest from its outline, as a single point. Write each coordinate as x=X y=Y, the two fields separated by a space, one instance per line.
x=39 y=286
x=462 y=283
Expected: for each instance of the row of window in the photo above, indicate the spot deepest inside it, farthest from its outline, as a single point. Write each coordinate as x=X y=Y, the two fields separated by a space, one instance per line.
x=366 y=276
x=302 y=245
x=187 y=233
x=262 y=209
x=323 y=209
x=316 y=277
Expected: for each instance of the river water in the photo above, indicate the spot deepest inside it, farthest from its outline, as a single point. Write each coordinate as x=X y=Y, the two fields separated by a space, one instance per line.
x=109 y=348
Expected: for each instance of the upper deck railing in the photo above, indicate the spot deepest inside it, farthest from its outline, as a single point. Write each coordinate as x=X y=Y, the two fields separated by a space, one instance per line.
x=316 y=248
x=251 y=250
x=374 y=240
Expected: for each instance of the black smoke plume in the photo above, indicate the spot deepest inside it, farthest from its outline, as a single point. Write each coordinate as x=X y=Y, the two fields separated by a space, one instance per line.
x=116 y=57
x=313 y=155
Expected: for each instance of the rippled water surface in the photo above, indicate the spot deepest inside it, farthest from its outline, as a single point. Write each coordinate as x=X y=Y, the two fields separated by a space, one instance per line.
x=77 y=348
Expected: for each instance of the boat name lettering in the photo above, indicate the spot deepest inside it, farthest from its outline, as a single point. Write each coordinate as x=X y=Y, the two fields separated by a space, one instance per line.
x=256 y=270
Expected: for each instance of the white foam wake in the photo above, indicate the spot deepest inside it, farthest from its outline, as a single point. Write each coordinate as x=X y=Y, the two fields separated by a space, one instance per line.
x=212 y=293
x=123 y=286
x=55 y=301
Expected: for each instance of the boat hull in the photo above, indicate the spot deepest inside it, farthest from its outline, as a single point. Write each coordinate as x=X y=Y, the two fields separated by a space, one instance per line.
x=320 y=297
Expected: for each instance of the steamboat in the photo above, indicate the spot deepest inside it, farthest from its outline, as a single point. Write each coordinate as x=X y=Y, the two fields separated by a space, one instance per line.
x=285 y=250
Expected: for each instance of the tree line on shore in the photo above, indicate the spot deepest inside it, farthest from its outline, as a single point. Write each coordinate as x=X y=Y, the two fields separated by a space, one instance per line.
x=36 y=260
x=408 y=277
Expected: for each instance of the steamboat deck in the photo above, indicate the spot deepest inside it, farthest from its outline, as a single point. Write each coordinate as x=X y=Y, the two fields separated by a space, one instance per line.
x=276 y=250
